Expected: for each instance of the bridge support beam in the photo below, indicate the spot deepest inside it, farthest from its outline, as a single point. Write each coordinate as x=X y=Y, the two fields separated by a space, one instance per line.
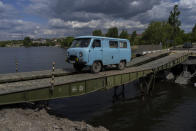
x=39 y=105
x=146 y=85
x=116 y=95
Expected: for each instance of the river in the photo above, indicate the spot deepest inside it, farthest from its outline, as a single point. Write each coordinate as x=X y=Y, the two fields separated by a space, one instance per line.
x=171 y=107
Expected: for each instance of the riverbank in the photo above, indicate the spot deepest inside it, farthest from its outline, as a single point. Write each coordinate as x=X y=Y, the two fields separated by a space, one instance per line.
x=17 y=119
x=21 y=46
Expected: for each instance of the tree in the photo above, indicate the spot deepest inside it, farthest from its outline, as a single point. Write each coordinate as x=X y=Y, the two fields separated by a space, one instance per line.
x=173 y=18
x=112 y=32
x=27 y=41
x=193 y=34
x=174 y=21
x=97 y=33
x=67 y=41
x=133 y=37
x=124 y=34
x=158 y=32
x=2 y=44
x=187 y=37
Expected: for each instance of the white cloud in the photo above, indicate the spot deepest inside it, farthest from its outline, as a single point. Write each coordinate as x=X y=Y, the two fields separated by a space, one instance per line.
x=69 y=17
x=102 y=24
x=134 y=3
x=126 y=24
x=187 y=4
x=49 y=32
x=7 y=11
x=161 y=11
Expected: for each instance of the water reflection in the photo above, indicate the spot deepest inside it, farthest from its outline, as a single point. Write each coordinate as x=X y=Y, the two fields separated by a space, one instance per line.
x=171 y=108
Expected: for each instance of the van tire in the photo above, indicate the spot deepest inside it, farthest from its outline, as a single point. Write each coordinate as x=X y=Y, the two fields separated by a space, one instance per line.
x=121 y=65
x=96 y=67
x=78 y=67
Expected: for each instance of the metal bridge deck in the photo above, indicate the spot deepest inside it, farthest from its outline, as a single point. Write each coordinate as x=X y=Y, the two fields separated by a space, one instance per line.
x=79 y=84
x=22 y=76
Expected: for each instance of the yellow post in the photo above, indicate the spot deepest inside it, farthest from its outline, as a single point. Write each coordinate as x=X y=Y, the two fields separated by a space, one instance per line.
x=52 y=81
x=16 y=66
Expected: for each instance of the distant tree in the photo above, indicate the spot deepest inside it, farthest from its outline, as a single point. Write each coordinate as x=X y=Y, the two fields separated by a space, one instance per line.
x=2 y=44
x=27 y=41
x=193 y=34
x=112 y=32
x=174 y=21
x=187 y=37
x=97 y=33
x=67 y=41
x=124 y=34
x=194 y=28
x=133 y=37
x=158 y=32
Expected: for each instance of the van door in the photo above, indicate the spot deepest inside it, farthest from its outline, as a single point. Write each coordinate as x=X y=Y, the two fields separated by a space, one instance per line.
x=113 y=45
x=95 y=52
x=125 y=53
x=111 y=52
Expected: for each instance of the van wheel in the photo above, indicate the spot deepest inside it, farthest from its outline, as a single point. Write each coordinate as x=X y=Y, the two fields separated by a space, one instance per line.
x=78 y=67
x=121 y=65
x=96 y=67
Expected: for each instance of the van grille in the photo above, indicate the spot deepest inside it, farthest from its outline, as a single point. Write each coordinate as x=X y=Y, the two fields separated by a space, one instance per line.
x=72 y=57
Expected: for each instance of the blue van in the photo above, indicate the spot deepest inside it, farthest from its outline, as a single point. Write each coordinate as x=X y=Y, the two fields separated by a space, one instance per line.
x=98 y=52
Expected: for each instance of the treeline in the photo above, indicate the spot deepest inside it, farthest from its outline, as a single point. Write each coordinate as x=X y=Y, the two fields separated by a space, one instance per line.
x=114 y=32
x=28 y=42
x=63 y=42
x=10 y=43
x=167 y=33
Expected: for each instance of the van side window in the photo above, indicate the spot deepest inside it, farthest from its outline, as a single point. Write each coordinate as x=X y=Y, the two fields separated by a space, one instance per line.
x=113 y=44
x=123 y=44
x=96 y=43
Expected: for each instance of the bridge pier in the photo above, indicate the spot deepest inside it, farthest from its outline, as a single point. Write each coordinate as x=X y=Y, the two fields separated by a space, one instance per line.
x=38 y=105
x=117 y=95
x=146 y=85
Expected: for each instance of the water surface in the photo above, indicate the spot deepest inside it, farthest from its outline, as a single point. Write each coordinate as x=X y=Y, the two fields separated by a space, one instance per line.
x=172 y=107
x=31 y=59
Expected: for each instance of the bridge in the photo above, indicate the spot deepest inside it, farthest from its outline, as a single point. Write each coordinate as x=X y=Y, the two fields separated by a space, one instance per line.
x=60 y=83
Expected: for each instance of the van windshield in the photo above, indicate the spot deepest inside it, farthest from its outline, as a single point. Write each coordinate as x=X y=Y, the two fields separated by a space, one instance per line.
x=81 y=42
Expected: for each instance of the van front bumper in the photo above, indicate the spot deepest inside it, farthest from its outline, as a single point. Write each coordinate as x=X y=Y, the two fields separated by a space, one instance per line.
x=75 y=61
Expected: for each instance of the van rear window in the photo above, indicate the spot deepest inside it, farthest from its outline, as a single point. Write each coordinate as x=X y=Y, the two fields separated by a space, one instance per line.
x=113 y=44
x=123 y=44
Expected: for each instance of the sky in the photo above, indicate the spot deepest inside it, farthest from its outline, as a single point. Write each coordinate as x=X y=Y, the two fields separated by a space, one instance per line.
x=61 y=18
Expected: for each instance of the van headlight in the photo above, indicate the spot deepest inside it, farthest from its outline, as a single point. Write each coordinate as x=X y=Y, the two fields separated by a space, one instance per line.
x=80 y=54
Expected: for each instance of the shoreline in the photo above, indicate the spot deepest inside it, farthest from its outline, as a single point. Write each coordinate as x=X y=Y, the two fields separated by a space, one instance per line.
x=29 y=119
x=33 y=47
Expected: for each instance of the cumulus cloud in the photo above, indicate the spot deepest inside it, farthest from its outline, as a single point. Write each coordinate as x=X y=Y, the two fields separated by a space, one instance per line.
x=13 y=28
x=6 y=11
x=88 y=15
x=158 y=12
x=101 y=24
x=80 y=17
x=190 y=4
x=70 y=8
x=188 y=11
